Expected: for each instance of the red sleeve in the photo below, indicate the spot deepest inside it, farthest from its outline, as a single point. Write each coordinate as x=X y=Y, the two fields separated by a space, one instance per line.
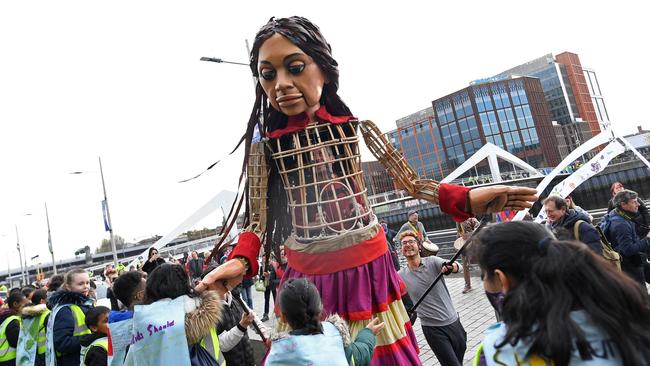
x=248 y=246
x=452 y=200
x=279 y=272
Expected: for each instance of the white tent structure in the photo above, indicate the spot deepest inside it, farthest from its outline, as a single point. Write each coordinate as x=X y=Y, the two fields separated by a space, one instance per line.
x=223 y=200
x=491 y=152
x=607 y=136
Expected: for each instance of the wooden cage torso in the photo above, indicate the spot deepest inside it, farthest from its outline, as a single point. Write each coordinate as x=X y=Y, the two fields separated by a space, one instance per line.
x=320 y=168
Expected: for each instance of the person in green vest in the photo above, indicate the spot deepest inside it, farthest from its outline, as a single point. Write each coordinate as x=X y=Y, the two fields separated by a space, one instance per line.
x=95 y=345
x=31 y=341
x=67 y=323
x=10 y=328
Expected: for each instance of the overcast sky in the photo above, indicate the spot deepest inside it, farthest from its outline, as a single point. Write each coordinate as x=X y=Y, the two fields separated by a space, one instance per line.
x=122 y=80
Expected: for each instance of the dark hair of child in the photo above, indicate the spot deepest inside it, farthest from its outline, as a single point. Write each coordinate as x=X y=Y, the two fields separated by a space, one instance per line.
x=39 y=295
x=16 y=297
x=125 y=286
x=167 y=281
x=55 y=282
x=552 y=279
x=92 y=316
x=301 y=306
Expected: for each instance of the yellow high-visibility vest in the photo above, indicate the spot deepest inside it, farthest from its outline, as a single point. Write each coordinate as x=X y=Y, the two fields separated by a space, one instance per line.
x=211 y=343
x=99 y=342
x=7 y=353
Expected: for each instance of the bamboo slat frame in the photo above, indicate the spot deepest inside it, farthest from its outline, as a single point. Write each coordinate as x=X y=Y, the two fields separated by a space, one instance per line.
x=258 y=175
x=398 y=168
x=321 y=171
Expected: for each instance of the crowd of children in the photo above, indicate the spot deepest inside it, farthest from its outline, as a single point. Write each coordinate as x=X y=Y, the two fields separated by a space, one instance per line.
x=56 y=325
x=62 y=325
x=555 y=299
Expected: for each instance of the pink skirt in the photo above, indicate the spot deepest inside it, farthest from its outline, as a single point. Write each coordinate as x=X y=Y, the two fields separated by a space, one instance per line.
x=361 y=293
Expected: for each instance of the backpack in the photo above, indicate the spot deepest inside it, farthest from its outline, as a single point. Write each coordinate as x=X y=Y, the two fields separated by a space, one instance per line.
x=608 y=252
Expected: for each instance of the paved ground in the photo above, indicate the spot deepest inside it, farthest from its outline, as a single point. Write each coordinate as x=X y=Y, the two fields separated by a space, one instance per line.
x=476 y=314
x=475 y=311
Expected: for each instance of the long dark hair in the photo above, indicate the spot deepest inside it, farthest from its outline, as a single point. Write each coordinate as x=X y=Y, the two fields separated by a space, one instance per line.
x=301 y=306
x=151 y=250
x=167 y=281
x=306 y=36
x=552 y=278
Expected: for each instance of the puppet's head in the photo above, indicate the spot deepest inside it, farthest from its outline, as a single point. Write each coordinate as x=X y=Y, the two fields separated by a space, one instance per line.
x=308 y=38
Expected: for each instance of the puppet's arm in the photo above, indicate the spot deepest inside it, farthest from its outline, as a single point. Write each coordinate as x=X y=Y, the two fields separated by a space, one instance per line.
x=242 y=261
x=460 y=202
x=258 y=179
x=398 y=168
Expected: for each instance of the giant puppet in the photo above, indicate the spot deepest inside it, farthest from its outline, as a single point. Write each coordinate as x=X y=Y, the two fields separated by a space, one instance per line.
x=306 y=191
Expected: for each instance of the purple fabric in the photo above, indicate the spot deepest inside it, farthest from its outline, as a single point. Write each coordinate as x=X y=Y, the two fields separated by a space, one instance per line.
x=355 y=293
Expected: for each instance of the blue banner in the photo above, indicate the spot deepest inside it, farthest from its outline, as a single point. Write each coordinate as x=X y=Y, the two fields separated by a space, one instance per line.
x=107 y=227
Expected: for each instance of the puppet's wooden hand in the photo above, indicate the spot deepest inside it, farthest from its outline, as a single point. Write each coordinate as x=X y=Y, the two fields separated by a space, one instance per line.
x=229 y=274
x=498 y=198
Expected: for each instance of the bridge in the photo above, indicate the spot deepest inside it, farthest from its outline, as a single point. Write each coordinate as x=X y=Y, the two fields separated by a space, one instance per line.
x=392 y=207
x=591 y=195
x=443 y=238
x=95 y=263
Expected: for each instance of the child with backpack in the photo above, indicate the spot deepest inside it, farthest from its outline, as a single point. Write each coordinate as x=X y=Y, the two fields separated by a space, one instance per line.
x=312 y=342
x=95 y=345
x=31 y=341
x=176 y=325
x=67 y=321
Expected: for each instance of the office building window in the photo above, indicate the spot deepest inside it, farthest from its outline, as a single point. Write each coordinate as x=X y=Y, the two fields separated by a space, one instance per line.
x=482 y=99
x=445 y=113
x=517 y=92
x=500 y=95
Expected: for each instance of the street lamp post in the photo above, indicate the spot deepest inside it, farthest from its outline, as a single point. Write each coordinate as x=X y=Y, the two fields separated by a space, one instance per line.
x=108 y=215
x=49 y=239
x=20 y=258
x=222 y=61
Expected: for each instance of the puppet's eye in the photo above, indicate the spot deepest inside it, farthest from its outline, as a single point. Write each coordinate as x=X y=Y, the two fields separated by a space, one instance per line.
x=296 y=68
x=267 y=74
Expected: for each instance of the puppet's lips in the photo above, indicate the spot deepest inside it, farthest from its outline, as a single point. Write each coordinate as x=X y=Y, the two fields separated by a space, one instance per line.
x=288 y=99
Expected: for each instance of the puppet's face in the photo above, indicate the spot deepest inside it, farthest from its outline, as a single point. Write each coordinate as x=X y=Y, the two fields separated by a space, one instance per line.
x=291 y=79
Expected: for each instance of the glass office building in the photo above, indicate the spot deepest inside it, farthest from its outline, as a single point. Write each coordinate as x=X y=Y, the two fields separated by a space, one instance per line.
x=418 y=138
x=511 y=114
x=572 y=92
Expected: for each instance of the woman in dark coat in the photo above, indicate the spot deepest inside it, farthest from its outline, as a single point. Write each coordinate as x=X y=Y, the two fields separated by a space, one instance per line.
x=153 y=261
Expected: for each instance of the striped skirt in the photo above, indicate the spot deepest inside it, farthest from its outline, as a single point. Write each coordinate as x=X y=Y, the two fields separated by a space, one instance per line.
x=359 y=293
